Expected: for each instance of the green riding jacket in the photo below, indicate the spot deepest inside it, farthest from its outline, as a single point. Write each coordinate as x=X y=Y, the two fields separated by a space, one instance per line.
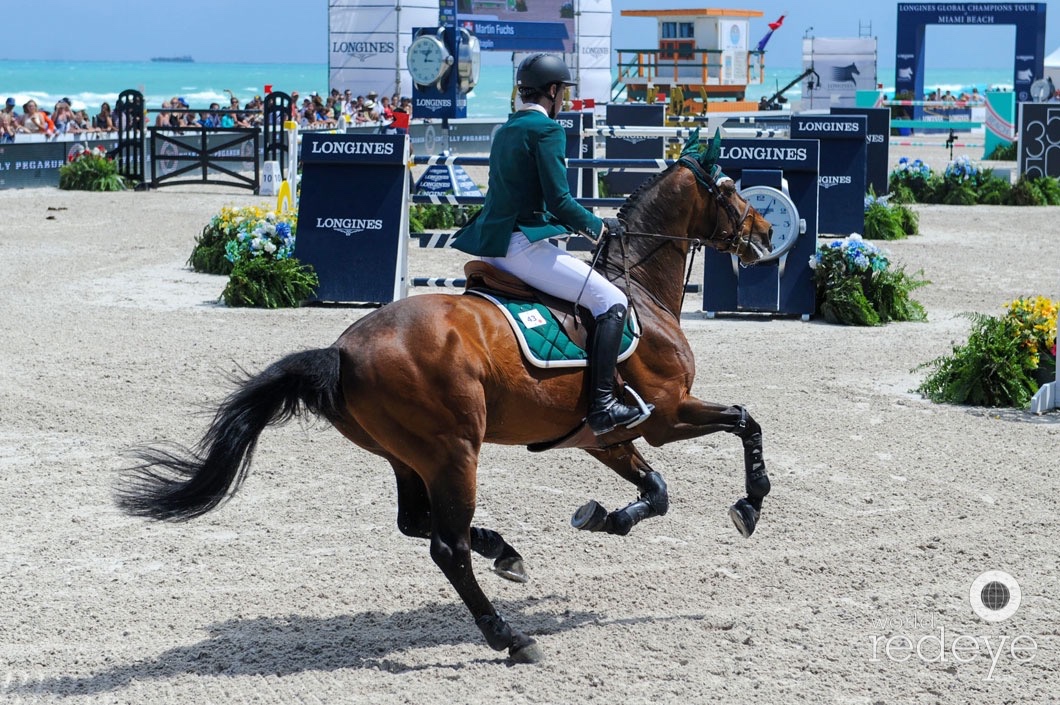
x=528 y=189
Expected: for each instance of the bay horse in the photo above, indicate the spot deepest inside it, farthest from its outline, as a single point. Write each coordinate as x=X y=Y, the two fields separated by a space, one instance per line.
x=425 y=381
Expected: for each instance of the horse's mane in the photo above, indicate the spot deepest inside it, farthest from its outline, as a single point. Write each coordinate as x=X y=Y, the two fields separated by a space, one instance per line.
x=644 y=212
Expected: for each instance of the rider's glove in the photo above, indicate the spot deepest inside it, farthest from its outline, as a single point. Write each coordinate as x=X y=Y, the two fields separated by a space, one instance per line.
x=614 y=227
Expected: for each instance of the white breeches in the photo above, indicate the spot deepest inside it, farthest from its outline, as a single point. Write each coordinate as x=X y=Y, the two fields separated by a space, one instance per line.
x=544 y=266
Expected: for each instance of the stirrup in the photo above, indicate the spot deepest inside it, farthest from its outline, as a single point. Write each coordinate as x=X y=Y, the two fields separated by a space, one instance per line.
x=603 y=420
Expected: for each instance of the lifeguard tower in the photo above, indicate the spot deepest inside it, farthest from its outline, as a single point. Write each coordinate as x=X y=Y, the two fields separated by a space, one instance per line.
x=705 y=53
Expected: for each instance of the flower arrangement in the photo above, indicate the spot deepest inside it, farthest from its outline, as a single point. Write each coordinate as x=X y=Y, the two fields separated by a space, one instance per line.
x=1003 y=362
x=255 y=248
x=1037 y=324
x=90 y=170
x=964 y=183
x=856 y=285
x=910 y=181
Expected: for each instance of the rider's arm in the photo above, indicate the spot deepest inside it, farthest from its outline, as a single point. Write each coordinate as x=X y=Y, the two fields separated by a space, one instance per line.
x=552 y=171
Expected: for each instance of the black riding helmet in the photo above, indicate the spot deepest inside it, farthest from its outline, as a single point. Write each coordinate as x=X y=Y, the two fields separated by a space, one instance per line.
x=539 y=71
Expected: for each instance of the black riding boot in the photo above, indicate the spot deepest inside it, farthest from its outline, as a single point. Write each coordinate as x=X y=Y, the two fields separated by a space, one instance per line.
x=605 y=411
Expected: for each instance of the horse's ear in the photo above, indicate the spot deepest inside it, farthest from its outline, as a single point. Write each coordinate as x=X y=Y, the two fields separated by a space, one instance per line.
x=710 y=158
x=692 y=146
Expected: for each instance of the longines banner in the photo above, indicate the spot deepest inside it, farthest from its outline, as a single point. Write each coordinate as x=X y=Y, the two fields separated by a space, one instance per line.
x=368 y=40
x=353 y=222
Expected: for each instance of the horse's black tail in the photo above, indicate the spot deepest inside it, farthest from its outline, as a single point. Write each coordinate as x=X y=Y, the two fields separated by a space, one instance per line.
x=181 y=484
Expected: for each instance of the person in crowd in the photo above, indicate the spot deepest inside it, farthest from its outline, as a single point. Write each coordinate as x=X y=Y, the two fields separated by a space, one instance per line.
x=976 y=97
x=406 y=105
x=948 y=97
x=211 y=119
x=254 y=114
x=399 y=123
x=104 y=121
x=63 y=118
x=296 y=112
x=34 y=121
x=529 y=201
x=386 y=112
x=84 y=124
x=9 y=110
x=163 y=117
x=239 y=118
x=8 y=127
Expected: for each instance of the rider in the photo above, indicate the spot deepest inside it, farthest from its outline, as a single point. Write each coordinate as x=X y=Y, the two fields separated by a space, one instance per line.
x=529 y=201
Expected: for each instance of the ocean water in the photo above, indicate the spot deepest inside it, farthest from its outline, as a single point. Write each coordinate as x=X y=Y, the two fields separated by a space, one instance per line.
x=89 y=83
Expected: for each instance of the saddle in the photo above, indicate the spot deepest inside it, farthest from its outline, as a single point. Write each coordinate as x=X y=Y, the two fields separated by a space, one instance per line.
x=483 y=276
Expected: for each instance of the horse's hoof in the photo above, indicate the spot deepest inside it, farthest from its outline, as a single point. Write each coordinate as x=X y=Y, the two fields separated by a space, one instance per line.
x=744 y=517
x=511 y=569
x=528 y=653
x=591 y=516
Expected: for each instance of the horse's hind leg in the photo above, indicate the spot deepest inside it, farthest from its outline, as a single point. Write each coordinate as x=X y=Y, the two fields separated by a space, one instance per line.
x=451 y=489
x=627 y=461
x=414 y=519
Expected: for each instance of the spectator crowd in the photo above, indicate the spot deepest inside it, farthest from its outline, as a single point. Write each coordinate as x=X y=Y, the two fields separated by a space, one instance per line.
x=339 y=109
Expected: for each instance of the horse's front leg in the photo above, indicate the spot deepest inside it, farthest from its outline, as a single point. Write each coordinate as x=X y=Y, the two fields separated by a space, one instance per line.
x=695 y=418
x=653 y=501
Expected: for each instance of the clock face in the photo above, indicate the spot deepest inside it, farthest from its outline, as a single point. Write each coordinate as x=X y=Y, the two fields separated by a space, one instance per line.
x=428 y=60
x=780 y=211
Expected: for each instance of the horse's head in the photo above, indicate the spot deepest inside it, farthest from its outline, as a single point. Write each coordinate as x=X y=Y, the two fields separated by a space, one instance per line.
x=735 y=227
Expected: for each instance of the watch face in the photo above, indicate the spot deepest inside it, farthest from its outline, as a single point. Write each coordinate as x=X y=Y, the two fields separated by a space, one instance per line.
x=780 y=211
x=427 y=60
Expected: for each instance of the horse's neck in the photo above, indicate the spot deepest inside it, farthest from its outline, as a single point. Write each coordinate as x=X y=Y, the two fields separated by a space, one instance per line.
x=656 y=266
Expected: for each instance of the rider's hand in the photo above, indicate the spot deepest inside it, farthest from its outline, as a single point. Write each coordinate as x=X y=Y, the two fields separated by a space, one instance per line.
x=613 y=227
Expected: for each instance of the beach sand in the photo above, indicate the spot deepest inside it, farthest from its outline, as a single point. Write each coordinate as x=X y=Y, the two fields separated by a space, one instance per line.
x=884 y=509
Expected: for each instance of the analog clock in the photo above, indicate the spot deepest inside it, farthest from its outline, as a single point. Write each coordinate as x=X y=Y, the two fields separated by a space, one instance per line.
x=777 y=207
x=428 y=59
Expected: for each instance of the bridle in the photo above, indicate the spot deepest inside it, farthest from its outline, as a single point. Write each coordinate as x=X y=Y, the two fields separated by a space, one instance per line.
x=734 y=241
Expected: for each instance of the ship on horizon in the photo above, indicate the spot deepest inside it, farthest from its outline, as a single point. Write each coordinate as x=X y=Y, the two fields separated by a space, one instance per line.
x=177 y=59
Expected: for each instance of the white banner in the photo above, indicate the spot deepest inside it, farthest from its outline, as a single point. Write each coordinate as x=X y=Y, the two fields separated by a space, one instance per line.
x=368 y=40
x=592 y=66
x=844 y=67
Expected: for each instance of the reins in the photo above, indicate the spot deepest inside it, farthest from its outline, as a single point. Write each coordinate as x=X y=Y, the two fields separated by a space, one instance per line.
x=734 y=242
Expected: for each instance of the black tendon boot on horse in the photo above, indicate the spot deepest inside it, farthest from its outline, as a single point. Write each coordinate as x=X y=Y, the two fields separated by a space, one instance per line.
x=605 y=411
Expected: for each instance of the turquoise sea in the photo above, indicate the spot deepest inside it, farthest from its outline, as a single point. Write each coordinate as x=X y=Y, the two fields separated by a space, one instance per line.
x=89 y=83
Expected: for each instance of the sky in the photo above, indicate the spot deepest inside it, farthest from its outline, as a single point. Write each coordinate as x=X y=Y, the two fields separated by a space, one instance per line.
x=265 y=31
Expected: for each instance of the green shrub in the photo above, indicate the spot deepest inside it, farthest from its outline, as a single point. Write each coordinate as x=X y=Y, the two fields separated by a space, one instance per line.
x=270 y=283
x=1050 y=190
x=1026 y=192
x=1003 y=153
x=882 y=222
x=438 y=216
x=91 y=170
x=910 y=219
x=991 y=369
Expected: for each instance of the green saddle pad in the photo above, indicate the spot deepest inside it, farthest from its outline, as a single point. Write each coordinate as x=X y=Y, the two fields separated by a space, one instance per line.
x=542 y=339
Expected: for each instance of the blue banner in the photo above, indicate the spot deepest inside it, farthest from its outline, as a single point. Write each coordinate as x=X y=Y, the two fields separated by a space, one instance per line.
x=353 y=221
x=518 y=36
x=843 y=169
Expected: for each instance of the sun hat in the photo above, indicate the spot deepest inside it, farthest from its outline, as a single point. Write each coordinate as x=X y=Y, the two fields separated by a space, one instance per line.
x=369 y=105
